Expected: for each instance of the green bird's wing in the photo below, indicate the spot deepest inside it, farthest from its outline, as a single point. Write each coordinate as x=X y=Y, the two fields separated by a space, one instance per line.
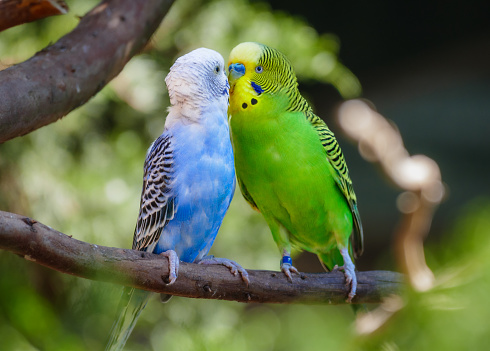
x=336 y=159
x=247 y=195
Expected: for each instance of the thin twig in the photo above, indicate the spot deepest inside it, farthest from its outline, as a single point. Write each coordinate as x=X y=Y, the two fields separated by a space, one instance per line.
x=418 y=175
x=420 y=178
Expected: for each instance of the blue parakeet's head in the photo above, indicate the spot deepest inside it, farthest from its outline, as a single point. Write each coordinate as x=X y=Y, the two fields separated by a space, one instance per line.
x=197 y=80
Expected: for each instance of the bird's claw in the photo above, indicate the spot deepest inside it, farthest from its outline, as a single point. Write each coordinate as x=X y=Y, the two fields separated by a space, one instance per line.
x=173 y=265
x=234 y=267
x=350 y=274
x=287 y=268
x=349 y=279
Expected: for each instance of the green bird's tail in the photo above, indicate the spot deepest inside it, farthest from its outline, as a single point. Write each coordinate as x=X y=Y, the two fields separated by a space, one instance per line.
x=133 y=301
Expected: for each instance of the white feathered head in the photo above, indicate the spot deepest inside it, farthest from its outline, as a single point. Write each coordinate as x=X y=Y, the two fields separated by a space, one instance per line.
x=195 y=80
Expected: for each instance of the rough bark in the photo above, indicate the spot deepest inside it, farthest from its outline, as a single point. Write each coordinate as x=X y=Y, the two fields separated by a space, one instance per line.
x=41 y=244
x=68 y=73
x=15 y=12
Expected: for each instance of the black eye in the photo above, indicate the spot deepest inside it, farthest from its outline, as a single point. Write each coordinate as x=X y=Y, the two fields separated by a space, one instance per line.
x=259 y=69
x=216 y=69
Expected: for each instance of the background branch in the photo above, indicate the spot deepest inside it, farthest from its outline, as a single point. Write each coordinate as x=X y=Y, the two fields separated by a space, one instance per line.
x=420 y=178
x=15 y=12
x=418 y=175
x=68 y=73
x=38 y=243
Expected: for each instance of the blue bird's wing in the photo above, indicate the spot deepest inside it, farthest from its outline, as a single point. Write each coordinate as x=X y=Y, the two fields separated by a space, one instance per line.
x=157 y=208
x=158 y=203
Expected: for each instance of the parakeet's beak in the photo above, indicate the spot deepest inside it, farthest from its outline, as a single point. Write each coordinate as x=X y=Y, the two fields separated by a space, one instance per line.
x=235 y=71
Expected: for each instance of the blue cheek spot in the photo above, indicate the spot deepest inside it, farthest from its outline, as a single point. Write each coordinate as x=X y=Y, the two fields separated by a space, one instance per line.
x=258 y=89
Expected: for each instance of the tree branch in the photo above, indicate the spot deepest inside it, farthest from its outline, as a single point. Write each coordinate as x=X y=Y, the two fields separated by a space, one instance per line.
x=68 y=73
x=15 y=12
x=38 y=243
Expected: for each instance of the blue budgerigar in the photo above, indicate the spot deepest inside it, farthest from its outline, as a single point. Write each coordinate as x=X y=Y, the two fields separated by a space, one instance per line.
x=189 y=178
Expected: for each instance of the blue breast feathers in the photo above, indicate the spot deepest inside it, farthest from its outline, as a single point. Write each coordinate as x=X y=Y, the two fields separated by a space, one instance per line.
x=203 y=186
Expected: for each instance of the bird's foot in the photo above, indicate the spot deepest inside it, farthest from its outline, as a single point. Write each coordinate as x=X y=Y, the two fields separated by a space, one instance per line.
x=350 y=274
x=287 y=267
x=234 y=267
x=173 y=265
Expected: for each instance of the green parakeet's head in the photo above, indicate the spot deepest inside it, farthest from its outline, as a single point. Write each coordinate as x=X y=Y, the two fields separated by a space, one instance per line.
x=261 y=79
x=267 y=68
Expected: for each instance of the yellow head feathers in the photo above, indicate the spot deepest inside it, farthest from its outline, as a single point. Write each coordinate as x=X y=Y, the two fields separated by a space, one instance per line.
x=246 y=53
x=256 y=72
x=264 y=66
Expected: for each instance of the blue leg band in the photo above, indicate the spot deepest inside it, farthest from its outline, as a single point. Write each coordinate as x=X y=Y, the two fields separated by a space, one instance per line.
x=286 y=259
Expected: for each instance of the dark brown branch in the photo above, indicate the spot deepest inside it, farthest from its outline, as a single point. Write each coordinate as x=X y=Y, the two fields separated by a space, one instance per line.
x=43 y=245
x=68 y=73
x=15 y=12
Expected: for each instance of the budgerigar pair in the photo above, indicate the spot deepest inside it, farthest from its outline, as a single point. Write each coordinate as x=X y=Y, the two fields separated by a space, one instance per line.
x=288 y=163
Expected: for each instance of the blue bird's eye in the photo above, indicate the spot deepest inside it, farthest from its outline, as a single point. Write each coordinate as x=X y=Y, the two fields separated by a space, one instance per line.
x=217 y=69
x=259 y=69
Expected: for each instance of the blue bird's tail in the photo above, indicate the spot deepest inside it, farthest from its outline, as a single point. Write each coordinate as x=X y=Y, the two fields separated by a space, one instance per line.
x=133 y=301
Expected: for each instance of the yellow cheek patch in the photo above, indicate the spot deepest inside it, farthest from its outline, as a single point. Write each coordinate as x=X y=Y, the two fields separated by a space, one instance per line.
x=243 y=97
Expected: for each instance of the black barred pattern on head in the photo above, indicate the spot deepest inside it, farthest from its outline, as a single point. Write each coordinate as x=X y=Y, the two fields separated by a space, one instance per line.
x=157 y=201
x=277 y=75
x=277 y=72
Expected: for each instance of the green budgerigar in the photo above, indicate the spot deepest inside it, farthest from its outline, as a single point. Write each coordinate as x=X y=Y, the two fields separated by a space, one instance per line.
x=289 y=164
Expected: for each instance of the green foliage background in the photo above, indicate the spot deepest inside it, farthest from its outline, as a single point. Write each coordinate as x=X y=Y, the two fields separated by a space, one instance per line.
x=82 y=176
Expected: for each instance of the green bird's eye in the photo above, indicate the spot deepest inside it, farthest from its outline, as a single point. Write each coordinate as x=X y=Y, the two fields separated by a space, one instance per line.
x=259 y=69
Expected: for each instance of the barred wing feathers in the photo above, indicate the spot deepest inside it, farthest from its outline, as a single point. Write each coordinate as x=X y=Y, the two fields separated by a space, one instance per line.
x=342 y=178
x=158 y=203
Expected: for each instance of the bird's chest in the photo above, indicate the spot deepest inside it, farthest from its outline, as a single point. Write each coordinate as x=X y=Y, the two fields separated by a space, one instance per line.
x=284 y=168
x=275 y=147
x=204 y=165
